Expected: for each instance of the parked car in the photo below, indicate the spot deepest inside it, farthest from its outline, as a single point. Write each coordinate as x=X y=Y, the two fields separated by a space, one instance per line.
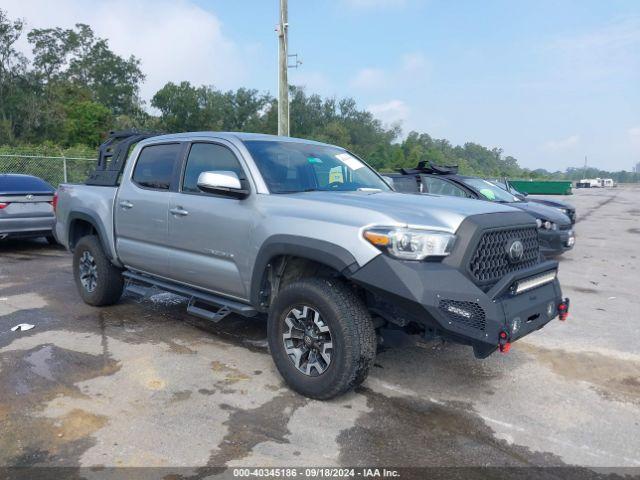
x=26 y=207
x=563 y=207
x=554 y=228
x=309 y=237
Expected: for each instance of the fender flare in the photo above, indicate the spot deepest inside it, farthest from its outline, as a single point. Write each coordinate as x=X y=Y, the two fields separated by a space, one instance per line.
x=90 y=218
x=326 y=253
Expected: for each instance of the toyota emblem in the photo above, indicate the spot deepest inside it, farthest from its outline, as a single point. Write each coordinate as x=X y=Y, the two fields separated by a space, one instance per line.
x=515 y=251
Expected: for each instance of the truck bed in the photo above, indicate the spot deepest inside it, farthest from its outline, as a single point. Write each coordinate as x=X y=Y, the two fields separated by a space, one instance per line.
x=89 y=203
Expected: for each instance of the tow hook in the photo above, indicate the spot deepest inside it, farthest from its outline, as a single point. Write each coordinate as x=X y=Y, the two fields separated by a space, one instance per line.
x=503 y=342
x=563 y=309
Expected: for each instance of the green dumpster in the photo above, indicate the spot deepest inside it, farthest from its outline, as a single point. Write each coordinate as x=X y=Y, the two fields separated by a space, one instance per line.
x=542 y=187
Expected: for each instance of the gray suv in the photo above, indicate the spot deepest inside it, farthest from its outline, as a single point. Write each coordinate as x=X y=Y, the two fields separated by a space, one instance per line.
x=309 y=237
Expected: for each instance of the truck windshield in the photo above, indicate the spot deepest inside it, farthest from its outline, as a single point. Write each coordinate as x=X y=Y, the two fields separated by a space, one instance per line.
x=289 y=167
x=490 y=191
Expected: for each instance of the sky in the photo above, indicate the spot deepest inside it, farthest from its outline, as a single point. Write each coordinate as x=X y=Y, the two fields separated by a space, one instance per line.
x=548 y=81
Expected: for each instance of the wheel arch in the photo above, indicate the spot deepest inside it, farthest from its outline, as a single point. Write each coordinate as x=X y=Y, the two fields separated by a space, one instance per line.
x=82 y=224
x=307 y=254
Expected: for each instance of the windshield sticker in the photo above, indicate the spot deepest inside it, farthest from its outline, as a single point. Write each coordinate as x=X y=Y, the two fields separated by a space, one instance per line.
x=488 y=193
x=335 y=175
x=351 y=162
x=313 y=160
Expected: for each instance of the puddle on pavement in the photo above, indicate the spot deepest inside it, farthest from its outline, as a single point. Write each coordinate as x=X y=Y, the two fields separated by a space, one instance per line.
x=32 y=378
x=248 y=428
x=612 y=378
x=403 y=431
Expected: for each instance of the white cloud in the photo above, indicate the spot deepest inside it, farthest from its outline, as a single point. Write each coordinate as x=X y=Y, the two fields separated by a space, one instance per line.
x=562 y=144
x=376 y=3
x=390 y=112
x=175 y=41
x=414 y=62
x=370 y=79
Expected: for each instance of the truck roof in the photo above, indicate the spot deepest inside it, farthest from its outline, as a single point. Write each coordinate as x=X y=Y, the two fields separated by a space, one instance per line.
x=242 y=136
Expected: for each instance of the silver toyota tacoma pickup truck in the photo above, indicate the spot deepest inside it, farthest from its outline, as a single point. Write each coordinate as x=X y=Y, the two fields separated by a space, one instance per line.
x=311 y=238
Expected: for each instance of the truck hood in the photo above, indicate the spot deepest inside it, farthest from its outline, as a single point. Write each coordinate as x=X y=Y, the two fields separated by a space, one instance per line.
x=550 y=203
x=543 y=212
x=363 y=208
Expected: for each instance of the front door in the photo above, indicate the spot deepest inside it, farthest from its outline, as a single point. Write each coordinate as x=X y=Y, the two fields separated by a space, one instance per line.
x=142 y=210
x=210 y=235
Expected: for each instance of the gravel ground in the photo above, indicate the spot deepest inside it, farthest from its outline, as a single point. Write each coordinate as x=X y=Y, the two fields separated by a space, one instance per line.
x=144 y=384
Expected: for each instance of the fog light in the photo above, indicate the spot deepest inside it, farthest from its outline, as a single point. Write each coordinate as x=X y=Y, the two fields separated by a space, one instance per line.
x=571 y=241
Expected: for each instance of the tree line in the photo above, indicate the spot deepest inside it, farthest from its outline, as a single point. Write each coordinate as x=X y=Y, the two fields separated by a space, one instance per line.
x=74 y=89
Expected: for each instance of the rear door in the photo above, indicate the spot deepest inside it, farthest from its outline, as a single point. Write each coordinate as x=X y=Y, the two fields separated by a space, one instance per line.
x=210 y=234
x=25 y=204
x=141 y=209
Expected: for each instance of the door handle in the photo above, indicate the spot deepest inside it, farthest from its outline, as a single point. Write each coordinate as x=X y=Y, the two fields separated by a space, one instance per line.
x=179 y=211
x=126 y=205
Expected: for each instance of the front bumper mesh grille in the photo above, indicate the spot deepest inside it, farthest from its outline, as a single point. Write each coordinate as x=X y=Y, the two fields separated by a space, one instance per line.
x=467 y=314
x=490 y=262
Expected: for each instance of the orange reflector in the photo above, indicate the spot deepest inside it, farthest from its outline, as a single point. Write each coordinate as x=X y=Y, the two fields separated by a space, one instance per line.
x=377 y=239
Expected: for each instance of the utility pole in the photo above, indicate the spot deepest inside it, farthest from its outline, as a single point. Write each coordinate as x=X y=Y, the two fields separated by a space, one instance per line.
x=584 y=172
x=283 y=81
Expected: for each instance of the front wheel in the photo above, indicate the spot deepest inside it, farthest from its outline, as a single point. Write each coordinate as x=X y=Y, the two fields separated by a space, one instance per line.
x=99 y=282
x=321 y=337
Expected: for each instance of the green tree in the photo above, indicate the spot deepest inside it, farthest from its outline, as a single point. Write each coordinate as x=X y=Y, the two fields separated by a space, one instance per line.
x=85 y=123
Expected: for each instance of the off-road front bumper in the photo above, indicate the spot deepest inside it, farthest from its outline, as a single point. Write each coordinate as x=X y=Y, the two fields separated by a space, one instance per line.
x=447 y=302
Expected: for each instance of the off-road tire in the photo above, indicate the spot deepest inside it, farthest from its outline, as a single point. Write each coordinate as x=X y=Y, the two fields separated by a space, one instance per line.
x=352 y=333
x=109 y=284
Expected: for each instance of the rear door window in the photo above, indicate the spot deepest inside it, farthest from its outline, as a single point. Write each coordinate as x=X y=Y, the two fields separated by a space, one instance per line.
x=438 y=186
x=155 y=166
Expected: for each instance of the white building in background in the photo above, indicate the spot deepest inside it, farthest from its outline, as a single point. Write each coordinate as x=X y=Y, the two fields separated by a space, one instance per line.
x=596 y=183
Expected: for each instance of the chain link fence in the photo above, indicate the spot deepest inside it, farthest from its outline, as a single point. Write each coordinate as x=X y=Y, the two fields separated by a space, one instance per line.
x=55 y=170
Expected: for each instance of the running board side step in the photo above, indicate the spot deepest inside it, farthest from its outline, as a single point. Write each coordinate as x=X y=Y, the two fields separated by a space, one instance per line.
x=212 y=316
x=139 y=284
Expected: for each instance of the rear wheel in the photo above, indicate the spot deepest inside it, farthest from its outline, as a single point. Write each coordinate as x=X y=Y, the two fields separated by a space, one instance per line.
x=98 y=281
x=321 y=337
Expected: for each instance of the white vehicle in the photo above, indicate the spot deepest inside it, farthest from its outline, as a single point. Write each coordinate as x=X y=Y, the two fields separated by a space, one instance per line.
x=589 y=183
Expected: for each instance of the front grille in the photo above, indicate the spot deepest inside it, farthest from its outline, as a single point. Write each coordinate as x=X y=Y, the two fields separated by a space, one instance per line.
x=468 y=314
x=490 y=262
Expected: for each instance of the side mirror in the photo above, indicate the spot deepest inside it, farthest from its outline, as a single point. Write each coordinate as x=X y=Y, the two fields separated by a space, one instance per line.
x=222 y=182
x=389 y=181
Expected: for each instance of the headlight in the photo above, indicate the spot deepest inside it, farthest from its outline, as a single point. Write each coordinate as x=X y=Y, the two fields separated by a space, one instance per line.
x=546 y=224
x=411 y=243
